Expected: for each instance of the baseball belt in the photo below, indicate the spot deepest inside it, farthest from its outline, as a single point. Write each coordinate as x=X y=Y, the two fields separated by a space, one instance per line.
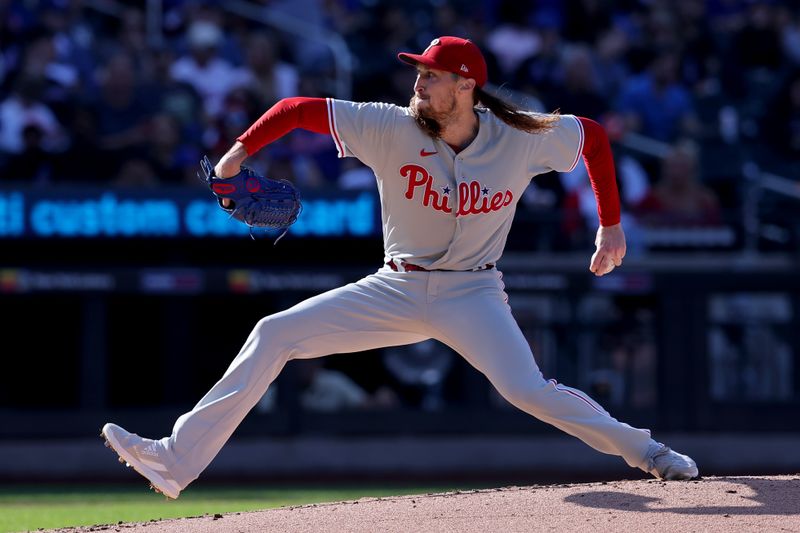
x=410 y=267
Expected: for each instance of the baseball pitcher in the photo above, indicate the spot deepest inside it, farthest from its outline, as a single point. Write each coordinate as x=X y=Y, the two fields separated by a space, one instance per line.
x=450 y=168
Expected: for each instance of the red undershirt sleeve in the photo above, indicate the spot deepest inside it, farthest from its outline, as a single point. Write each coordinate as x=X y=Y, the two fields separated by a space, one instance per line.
x=600 y=167
x=290 y=113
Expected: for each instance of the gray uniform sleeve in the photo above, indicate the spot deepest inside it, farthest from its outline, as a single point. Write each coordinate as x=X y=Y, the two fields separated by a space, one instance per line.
x=363 y=130
x=560 y=148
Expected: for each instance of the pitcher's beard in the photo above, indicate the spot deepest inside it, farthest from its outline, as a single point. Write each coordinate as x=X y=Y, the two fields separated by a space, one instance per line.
x=442 y=117
x=431 y=121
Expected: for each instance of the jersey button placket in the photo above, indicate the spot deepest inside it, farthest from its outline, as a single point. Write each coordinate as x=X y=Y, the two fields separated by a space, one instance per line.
x=459 y=180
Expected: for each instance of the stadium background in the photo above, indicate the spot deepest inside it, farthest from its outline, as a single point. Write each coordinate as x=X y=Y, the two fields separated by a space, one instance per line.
x=125 y=293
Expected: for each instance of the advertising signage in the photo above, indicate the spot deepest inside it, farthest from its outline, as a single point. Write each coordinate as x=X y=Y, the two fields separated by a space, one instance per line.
x=78 y=212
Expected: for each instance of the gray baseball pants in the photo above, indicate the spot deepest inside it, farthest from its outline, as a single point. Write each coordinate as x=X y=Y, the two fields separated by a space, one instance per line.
x=467 y=311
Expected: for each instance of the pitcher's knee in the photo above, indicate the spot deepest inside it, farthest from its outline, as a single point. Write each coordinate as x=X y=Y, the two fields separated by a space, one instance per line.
x=263 y=329
x=270 y=334
x=264 y=326
x=280 y=335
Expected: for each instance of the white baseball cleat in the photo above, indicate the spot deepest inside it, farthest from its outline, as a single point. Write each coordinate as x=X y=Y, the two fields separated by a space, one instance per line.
x=665 y=463
x=143 y=455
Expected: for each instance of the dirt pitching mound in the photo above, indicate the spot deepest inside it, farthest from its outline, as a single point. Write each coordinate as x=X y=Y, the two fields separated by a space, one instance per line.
x=764 y=503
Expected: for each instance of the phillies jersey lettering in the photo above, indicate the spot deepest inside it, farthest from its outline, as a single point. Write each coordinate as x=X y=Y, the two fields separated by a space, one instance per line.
x=473 y=199
x=441 y=209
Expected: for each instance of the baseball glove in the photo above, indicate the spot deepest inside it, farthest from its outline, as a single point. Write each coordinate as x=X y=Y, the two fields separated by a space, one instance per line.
x=257 y=201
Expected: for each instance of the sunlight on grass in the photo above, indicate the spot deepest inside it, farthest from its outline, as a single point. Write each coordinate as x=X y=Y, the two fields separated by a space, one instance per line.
x=29 y=508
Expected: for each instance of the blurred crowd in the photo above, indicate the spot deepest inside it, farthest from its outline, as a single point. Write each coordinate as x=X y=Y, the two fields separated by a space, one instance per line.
x=690 y=91
x=90 y=93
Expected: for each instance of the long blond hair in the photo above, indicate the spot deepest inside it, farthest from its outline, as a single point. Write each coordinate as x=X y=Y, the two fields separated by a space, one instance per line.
x=505 y=111
x=514 y=116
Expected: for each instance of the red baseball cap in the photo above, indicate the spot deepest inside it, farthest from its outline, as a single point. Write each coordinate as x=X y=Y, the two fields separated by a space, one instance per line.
x=451 y=54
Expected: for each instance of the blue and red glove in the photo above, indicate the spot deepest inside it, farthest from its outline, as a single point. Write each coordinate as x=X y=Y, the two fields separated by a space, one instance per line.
x=256 y=200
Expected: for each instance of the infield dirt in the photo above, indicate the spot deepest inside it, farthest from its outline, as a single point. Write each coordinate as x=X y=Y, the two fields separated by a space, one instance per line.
x=740 y=504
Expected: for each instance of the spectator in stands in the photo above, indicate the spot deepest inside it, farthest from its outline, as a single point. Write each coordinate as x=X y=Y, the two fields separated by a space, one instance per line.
x=72 y=39
x=268 y=77
x=661 y=31
x=33 y=165
x=542 y=75
x=655 y=104
x=211 y=76
x=513 y=40
x=756 y=53
x=310 y=55
x=59 y=77
x=121 y=109
x=172 y=159
x=758 y=44
x=132 y=37
x=387 y=30
x=700 y=68
x=611 y=68
x=24 y=108
x=71 y=164
x=678 y=198
x=175 y=98
x=238 y=108
x=579 y=92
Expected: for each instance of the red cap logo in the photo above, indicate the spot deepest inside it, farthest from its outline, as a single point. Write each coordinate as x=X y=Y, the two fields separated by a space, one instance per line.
x=452 y=54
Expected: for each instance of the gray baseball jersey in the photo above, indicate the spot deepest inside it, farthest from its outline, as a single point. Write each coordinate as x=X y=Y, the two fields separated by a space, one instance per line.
x=442 y=210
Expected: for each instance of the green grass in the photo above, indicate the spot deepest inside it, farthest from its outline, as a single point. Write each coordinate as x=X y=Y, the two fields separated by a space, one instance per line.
x=27 y=508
